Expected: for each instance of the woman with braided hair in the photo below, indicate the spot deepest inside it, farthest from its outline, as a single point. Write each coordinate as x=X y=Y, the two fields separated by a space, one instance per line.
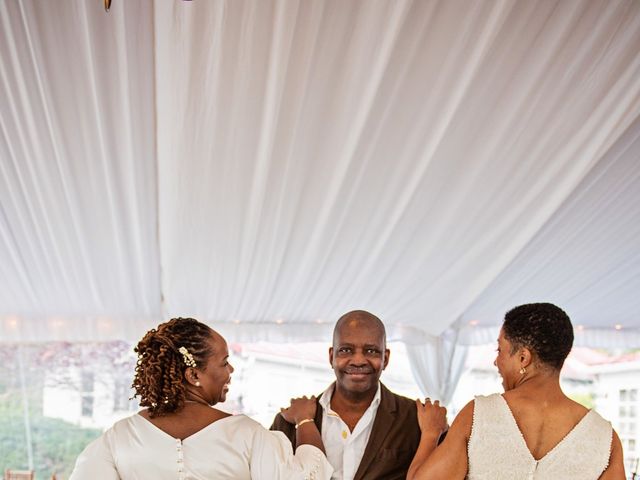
x=182 y=372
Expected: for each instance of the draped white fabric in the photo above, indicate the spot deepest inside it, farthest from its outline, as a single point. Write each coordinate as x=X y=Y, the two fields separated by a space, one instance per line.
x=268 y=165
x=438 y=365
x=78 y=172
x=595 y=270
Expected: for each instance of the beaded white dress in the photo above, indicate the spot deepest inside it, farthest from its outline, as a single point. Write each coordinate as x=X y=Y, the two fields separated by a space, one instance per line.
x=497 y=449
x=234 y=447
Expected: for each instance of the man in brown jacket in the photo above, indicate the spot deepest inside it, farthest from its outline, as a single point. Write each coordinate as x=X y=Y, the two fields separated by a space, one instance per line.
x=368 y=431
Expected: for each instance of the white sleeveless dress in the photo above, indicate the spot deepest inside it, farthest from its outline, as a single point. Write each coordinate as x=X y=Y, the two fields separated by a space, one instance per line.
x=497 y=450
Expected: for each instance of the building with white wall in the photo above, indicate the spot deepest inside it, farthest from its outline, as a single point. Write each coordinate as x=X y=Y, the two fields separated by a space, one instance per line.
x=618 y=400
x=266 y=377
x=88 y=397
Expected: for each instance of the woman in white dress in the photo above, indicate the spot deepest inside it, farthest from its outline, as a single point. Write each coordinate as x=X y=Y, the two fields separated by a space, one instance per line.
x=182 y=371
x=533 y=430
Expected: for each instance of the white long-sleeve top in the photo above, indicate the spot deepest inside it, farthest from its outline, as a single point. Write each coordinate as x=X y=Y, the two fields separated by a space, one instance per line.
x=234 y=447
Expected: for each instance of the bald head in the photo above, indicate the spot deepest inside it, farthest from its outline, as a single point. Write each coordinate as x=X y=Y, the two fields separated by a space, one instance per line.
x=359 y=354
x=361 y=320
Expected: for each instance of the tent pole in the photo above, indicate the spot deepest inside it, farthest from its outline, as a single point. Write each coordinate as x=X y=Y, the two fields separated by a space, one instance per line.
x=25 y=406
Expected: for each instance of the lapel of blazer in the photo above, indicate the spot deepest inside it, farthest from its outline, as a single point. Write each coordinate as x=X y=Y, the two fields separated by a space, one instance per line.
x=319 y=411
x=381 y=425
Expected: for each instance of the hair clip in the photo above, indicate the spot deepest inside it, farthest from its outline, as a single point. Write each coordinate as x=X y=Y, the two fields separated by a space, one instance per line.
x=187 y=357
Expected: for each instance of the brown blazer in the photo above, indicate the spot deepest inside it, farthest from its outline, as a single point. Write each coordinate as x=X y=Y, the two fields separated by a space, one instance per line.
x=393 y=442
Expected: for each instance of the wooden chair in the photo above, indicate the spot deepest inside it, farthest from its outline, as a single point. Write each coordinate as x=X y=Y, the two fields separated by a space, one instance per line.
x=19 y=474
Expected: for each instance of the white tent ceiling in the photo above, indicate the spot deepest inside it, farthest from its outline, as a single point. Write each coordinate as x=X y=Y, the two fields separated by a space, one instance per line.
x=268 y=165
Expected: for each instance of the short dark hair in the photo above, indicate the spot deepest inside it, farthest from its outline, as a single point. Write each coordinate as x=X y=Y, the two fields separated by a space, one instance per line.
x=543 y=328
x=159 y=378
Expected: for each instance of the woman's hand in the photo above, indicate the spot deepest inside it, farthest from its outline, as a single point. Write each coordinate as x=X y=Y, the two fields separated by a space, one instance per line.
x=432 y=418
x=449 y=460
x=300 y=409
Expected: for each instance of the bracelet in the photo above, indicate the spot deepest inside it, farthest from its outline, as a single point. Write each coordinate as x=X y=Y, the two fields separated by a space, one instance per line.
x=302 y=422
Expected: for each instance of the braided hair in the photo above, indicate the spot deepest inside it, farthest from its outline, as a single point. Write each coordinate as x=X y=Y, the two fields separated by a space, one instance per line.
x=159 y=373
x=543 y=328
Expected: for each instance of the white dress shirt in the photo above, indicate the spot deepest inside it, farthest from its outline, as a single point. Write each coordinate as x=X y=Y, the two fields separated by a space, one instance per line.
x=344 y=448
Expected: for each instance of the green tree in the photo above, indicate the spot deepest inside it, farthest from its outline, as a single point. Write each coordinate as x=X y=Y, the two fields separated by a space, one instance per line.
x=56 y=443
x=584 y=399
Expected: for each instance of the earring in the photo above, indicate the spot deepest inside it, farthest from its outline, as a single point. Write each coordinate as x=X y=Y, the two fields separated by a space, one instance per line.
x=523 y=371
x=197 y=383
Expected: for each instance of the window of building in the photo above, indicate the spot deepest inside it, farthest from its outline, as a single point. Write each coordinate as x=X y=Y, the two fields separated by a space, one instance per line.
x=631 y=445
x=623 y=395
x=120 y=395
x=86 y=389
x=633 y=395
x=622 y=411
x=86 y=382
x=87 y=405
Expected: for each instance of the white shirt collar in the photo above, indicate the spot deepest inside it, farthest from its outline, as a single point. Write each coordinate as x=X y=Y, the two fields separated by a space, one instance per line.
x=325 y=399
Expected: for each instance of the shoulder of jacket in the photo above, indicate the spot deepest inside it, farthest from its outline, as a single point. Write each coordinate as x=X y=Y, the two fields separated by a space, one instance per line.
x=401 y=400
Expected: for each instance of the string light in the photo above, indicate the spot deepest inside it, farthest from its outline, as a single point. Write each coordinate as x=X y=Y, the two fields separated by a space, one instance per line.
x=104 y=324
x=12 y=323
x=56 y=322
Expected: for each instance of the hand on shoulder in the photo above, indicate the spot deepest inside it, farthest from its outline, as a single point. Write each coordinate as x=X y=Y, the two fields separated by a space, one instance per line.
x=301 y=408
x=432 y=417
